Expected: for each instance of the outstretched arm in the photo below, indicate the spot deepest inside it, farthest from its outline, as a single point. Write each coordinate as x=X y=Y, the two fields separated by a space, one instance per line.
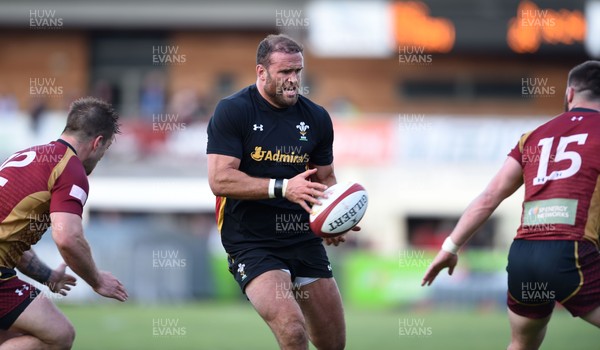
x=508 y=179
x=67 y=232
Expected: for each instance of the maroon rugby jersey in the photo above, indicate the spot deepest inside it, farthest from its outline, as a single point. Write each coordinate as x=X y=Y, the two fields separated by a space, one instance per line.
x=561 y=168
x=34 y=183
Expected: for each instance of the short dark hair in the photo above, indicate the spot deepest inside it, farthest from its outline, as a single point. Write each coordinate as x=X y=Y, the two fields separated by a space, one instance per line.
x=276 y=43
x=585 y=79
x=90 y=117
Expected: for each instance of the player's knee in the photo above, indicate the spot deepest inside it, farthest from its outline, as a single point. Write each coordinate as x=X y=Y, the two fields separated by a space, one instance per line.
x=64 y=338
x=294 y=333
x=529 y=342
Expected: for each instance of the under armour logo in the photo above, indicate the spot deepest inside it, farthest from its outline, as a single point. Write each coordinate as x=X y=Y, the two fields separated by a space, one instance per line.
x=19 y=292
x=574 y=118
x=257 y=127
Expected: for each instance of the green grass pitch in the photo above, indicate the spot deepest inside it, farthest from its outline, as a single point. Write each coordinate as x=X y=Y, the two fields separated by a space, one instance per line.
x=222 y=326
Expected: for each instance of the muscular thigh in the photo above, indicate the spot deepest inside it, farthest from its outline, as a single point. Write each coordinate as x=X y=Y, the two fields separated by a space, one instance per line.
x=271 y=294
x=41 y=319
x=6 y=334
x=322 y=307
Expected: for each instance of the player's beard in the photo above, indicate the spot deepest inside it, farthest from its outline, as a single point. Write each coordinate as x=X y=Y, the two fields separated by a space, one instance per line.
x=89 y=165
x=283 y=93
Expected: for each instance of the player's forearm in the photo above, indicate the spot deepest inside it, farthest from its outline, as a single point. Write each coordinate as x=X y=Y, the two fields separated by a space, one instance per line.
x=236 y=184
x=324 y=175
x=78 y=256
x=508 y=179
x=33 y=267
x=474 y=216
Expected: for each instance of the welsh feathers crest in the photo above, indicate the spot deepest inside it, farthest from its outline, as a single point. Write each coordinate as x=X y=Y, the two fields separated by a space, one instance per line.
x=303 y=130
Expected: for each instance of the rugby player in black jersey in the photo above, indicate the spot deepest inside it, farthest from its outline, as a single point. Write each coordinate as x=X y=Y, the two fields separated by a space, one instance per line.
x=269 y=158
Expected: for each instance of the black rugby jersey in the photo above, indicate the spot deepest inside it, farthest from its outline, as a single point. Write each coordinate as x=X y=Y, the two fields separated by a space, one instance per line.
x=271 y=143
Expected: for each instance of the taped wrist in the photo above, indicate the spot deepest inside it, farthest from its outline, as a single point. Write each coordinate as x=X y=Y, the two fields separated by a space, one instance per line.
x=449 y=246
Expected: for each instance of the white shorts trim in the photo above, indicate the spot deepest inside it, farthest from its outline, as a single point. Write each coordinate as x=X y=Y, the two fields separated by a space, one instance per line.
x=301 y=281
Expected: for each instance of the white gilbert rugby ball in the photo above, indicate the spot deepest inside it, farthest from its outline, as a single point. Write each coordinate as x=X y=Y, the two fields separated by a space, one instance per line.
x=345 y=205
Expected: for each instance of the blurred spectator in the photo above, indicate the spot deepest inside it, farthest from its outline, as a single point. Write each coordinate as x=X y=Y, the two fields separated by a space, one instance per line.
x=38 y=109
x=103 y=90
x=188 y=106
x=109 y=92
x=152 y=98
x=342 y=106
x=8 y=104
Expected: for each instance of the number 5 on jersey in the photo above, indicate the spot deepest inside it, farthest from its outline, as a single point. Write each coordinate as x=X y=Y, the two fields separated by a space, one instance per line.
x=561 y=154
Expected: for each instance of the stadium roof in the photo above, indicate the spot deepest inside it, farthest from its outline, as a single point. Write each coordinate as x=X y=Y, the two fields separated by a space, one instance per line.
x=141 y=14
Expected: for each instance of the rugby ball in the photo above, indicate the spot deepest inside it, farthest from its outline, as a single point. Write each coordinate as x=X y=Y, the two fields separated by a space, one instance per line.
x=343 y=206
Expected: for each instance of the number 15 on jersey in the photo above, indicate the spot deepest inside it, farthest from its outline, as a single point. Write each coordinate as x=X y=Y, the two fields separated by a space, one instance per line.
x=561 y=154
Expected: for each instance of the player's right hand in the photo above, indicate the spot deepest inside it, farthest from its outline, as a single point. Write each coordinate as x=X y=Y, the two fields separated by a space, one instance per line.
x=302 y=191
x=110 y=287
x=441 y=261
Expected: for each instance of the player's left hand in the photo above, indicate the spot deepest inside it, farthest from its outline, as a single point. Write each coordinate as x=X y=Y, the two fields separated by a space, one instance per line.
x=339 y=239
x=441 y=261
x=60 y=282
x=303 y=191
x=335 y=240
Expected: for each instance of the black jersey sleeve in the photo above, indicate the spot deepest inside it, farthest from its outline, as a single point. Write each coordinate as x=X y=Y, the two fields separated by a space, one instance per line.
x=224 y=130
x=323 y=152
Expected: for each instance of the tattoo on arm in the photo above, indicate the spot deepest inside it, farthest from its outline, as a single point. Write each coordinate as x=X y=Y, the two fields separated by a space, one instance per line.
x=35 y=268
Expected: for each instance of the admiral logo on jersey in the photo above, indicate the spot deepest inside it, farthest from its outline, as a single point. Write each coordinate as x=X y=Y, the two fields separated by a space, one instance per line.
x=278 y=156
